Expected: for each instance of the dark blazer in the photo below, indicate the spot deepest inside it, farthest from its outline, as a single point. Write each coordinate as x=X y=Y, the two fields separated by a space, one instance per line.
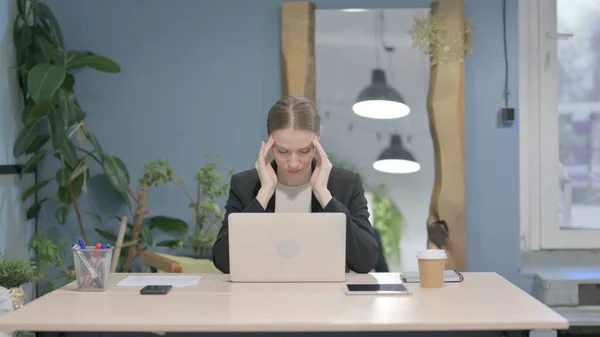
x=382 y=266
x=362 y=251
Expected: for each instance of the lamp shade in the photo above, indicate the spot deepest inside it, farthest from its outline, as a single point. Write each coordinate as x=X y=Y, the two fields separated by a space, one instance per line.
x=396 y=159
x=380 y=101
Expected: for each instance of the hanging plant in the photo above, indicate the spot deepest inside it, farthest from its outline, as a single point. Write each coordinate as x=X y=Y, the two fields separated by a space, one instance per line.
x=431 y=35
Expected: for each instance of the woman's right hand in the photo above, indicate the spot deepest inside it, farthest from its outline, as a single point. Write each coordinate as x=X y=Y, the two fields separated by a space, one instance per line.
x=266 y=174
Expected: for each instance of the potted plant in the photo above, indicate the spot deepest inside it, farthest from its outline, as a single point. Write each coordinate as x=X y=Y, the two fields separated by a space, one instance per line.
x=46 y=77
x=14 y=273
x=206 y=213
x=155 y=173
x=54 y=125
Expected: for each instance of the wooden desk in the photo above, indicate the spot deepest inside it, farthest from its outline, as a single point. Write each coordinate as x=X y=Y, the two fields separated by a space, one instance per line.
x=483 y=301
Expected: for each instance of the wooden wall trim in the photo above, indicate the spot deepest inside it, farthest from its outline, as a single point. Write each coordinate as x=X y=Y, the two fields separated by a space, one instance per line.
x=446 y=225
x=298 y=49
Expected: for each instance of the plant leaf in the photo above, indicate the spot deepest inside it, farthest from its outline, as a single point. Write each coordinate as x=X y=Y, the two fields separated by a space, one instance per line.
x=44 y=79
x=39 y=141
x=169 y=243
x=169 y=225
x=95 y=217
x=116 y=173
x=57 y=130
x=34 y=210
x=62 y=213
x=23 y=38
x=34 y=113
x=64 y=195
x=25 y=139
x=106 y=234
x=44 y=12
x=66 y=111
x=34 y=160
x=92 y=138
x=31 y=190
x=147 y=235
x=74 y=56
x=67 y=150
x=44 y=49
x=98 y=62
x=112 y=237
x=69 y=83
x=22 y=6
x=79 y=113
x=63 y=177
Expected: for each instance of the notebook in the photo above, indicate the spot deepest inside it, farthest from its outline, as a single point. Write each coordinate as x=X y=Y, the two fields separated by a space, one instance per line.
x=450 y=276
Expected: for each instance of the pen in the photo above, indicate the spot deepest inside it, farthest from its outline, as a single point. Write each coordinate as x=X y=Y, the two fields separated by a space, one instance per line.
x=98 y=246
x=86 y=264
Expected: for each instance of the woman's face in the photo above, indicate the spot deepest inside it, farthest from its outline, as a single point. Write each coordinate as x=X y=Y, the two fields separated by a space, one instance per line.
x=293 y=151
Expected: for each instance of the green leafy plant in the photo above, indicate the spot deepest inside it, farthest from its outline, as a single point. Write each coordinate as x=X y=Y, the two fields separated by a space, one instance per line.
x=49 y=254
x=15 y=272
x=207 y=212
x=388 y=220
x=155 y=173
x=52 y=114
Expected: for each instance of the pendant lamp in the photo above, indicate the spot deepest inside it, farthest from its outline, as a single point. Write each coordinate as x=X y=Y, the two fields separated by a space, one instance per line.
x=380 y=101
x=396 y=159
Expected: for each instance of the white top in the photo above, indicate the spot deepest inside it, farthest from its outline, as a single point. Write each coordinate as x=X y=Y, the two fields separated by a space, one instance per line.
x=293 y=199
x=483 y=301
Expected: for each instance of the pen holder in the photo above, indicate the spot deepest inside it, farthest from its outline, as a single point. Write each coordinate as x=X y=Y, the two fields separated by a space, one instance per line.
x=92 y=266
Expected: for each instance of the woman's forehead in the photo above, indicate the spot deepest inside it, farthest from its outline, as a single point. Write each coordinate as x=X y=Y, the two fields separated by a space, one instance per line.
x=293 y=139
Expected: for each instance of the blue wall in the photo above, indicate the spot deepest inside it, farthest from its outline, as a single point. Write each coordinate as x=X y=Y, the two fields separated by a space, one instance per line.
x=199 y=76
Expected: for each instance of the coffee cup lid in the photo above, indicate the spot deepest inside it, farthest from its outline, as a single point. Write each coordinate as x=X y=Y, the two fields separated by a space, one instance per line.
x=432 y=254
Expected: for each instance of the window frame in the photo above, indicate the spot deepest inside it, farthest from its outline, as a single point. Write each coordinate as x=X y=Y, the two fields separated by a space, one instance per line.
x=538 y=150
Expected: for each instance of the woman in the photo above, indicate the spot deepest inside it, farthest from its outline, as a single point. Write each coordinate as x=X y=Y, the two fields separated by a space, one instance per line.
x=296 y=181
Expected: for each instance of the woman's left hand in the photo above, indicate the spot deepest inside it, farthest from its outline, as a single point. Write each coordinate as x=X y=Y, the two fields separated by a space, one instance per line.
x=320 y=176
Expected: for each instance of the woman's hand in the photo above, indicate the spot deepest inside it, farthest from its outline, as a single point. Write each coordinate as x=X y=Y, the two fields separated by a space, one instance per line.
x=266 y=174
x=320 y=176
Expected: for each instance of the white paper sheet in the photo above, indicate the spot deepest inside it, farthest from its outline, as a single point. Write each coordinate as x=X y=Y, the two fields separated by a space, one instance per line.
x=173 y=280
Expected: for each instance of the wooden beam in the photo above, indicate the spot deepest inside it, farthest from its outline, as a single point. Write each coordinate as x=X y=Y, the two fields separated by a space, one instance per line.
x=298 y=49
x=160 y=262
x=446 y=225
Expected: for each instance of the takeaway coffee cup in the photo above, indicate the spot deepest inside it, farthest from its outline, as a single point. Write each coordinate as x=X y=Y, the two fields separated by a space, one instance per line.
x=432 y=263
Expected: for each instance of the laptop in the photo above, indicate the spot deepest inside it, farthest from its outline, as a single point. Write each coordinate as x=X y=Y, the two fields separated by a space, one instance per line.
x=287 y=247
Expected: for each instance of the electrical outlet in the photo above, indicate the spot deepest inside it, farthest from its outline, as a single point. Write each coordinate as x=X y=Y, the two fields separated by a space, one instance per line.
x=507 y=115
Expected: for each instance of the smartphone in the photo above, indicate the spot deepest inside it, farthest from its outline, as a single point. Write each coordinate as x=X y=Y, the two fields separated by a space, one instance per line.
x=156 y=290
x=376 y=289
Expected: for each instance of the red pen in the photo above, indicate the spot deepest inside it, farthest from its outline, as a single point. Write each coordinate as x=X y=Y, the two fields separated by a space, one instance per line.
x=98 y=246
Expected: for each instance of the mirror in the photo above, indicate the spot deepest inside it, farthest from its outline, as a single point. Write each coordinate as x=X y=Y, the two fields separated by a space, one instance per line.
x=353 y=48
x=328 y=55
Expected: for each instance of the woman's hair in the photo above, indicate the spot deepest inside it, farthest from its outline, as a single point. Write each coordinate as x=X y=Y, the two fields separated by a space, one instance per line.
x=293 y=112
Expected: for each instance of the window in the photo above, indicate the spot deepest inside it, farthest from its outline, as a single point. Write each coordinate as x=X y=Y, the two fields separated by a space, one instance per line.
x=559 y=100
